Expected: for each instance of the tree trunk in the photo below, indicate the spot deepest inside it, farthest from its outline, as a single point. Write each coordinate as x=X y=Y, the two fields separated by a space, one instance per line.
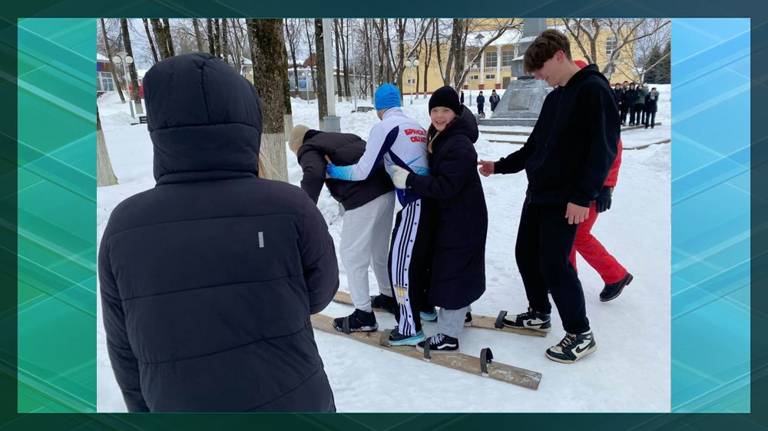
x=209 y=29
x=149 y=38
x=162 y=38
x=290 y=31
x=131 y=68
x=225 y=42
x=337 y=37
x=288 y=112
x=428 y=56
x=105 y=176
x=237 y=55
x=268 y=47
x=310 y=42
x=369 y=49
x=217 y=36
x=168 y=38
x=198 y=35
x=322 y=101
x=111 y=63
x=345 y=58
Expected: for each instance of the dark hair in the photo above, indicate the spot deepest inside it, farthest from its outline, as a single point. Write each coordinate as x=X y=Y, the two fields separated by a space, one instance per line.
x=543 y=48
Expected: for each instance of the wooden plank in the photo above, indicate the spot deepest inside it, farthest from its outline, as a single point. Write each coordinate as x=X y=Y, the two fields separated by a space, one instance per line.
x=457 y=361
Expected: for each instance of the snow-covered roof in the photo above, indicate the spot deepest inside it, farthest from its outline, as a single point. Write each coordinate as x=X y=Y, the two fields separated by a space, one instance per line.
x=100 y=57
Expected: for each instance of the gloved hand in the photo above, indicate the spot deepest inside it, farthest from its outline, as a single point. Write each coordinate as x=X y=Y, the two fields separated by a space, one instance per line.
x=603 y=201
x=399 y=176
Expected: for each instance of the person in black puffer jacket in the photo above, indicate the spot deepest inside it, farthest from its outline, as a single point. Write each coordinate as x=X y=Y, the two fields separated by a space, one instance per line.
x=368 y=205
x=208 y=279
x=458 y=265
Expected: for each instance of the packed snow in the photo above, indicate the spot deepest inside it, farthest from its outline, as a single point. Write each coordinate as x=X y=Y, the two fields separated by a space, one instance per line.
x=630 y=372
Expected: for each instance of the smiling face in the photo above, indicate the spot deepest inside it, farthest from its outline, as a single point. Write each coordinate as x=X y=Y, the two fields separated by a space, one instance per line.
x=441 y=116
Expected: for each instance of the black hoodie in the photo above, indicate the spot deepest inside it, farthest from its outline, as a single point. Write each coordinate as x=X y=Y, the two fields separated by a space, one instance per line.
x=573 y=144
x=458 y=267
x=208 y=279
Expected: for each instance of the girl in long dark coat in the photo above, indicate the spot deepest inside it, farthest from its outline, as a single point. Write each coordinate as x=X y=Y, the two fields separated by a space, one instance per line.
x=458 y=266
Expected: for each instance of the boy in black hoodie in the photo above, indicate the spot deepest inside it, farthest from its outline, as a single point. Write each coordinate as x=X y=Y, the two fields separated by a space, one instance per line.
x=566 y=159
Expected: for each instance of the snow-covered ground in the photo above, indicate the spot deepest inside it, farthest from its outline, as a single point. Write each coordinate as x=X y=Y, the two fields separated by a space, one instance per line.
x=629 y=373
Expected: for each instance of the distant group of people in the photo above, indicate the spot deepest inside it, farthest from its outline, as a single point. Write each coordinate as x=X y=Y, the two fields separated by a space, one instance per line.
x=208 y=280
x=635 y=99
x=480 y=101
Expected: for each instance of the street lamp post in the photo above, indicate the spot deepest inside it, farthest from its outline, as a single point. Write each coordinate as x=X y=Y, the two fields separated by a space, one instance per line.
x=123 y=58
x=411 y=63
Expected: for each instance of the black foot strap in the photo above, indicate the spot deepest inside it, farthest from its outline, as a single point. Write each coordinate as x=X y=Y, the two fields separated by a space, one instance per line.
x=345 y=326
x=500 y=319
x=486 y=357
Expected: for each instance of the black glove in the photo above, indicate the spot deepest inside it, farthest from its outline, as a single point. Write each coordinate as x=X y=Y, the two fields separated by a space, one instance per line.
x=603 y=201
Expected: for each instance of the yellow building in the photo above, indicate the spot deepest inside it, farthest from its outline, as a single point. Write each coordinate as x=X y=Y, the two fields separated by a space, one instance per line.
x=495 y=67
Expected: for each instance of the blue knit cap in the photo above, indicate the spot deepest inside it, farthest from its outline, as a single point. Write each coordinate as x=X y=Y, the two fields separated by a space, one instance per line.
x=387 y=96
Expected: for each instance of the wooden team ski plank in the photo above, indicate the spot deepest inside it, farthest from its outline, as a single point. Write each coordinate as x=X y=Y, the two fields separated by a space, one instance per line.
x=458 y=361
x=478 y=321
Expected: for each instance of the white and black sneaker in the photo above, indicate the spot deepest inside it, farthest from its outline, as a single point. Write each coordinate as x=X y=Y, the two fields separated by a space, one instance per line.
x=468 y=320
x=533 y=320
x=572 y=348
x=358 y=321
x=439 y=343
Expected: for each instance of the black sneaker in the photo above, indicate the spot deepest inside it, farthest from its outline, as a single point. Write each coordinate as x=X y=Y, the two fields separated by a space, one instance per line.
x=396 y=338
x=468 y=319
x=533 y=320
x=384 y=302
x=358 y=321
x=612 y=291
x=572 y=348
x=439 y=343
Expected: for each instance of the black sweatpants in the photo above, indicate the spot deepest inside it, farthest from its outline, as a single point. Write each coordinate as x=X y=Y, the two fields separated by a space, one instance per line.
x=544 y=243
x=410 y=257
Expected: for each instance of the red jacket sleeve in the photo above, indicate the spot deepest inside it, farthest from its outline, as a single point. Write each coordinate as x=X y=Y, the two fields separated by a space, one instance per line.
x=613 y=173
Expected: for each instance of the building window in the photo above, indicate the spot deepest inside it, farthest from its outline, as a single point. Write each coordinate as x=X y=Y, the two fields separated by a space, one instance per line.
x=475 y=77
x=491 y=59
x=105 y=82
x=490 y=76
x=411 y=81
x=610 y=45
x=507 y=56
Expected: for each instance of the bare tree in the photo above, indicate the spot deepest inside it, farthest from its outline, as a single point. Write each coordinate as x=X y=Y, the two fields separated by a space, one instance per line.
x=462 y=31
x=131 y=67
x=224 y=40
x=336 y=45
x=268 y=48
x=105 y=176
x=312 y=58
x=322 y=101
x=149 y=38
x=345 y=56
x=209 y=30
x=291 y=39
x=428 y=52
x=624 y=32
x=112 y=67
x=163 y=36
x=198 y=35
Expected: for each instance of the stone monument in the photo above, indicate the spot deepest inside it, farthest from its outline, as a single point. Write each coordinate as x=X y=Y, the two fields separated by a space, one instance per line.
x=521 y=103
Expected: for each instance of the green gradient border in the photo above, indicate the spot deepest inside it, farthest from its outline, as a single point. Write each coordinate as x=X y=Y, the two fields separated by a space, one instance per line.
x=57 y=215
x=372 y=421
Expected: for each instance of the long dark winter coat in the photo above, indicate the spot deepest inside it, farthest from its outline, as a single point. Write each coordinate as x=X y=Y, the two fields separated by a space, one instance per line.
x=208 y=279
x=461 y=219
